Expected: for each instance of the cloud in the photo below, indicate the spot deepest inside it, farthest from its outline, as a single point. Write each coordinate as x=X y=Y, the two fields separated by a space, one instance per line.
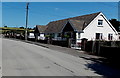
x=56 y=9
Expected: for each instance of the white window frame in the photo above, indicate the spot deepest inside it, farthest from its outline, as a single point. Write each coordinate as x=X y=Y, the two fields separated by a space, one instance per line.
x=100 y=22
x=110 y=36
x=100 y=36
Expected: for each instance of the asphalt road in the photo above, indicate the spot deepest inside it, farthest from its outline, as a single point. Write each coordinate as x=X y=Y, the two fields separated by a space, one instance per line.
x=24 y=59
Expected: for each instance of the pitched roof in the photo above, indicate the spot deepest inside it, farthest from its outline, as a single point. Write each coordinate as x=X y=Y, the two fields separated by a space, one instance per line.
x=41 y=28
x=79 y=23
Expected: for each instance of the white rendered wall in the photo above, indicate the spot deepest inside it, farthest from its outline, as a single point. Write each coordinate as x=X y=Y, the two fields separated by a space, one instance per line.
x=93 y=28
x=78 y=40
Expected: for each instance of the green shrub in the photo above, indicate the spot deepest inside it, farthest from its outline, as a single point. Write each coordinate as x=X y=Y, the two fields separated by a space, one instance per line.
x=66 y=36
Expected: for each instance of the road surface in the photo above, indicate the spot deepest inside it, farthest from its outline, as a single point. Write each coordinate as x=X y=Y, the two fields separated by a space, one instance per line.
x=24 y=59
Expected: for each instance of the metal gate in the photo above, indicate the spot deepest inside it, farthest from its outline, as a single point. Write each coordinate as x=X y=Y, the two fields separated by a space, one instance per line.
x=75 y=45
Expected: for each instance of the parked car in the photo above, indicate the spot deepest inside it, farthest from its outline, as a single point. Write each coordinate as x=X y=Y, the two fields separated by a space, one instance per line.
x=41 y=37
x=31 y=36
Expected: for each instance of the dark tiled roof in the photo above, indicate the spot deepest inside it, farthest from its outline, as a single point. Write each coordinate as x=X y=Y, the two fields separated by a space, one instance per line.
x=56 y=26
x=79 y=23
x=41 y=28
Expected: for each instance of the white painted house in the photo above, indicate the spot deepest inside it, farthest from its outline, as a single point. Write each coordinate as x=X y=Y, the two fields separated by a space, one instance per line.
x=99 y=28
x=39 y=32
x=92 y=26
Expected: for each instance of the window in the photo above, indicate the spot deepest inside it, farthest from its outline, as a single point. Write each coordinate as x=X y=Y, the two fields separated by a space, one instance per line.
x=78 y=34
x=110 y=36
x=99 y=36
x=59 y=35
x=52 y=35
x=100 y=22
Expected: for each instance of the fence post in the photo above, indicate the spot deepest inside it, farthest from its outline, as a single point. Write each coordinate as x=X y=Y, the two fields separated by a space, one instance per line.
x=69 y=42
x=93 y=46
x=84 y=41
x=99 y=43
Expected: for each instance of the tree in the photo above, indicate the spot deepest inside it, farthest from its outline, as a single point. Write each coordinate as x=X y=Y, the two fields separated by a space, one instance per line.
x=29 y=28
x=5 y=26
x=116 y=24
x=34 y=28
x=21 y=27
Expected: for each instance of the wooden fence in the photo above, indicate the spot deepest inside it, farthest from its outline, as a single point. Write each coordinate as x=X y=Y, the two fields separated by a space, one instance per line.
x=108 y=49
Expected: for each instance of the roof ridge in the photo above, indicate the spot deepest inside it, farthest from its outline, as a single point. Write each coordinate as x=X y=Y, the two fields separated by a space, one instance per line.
x=56 y=26
x=76 y=16
x=40 y=25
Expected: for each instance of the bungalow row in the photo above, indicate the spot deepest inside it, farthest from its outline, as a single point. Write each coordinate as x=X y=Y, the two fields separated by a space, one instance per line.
x=91 y=27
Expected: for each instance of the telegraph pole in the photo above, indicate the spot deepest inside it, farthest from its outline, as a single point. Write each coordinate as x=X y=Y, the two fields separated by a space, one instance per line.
x=119 y=11
x=26 y=20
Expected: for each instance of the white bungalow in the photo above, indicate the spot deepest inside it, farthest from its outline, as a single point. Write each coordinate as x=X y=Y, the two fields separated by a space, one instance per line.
x=39 y=32
x=92 y=26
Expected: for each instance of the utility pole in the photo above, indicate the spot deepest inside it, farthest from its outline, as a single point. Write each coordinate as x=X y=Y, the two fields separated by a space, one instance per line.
x=119 y=11
x=26 y=20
